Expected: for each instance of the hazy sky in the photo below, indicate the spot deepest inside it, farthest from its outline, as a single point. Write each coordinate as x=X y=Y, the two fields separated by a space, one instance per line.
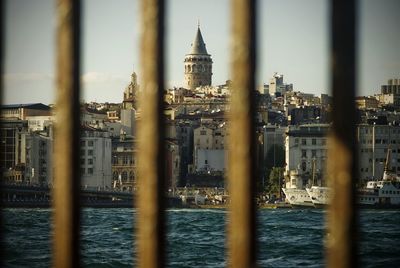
x=293 y=39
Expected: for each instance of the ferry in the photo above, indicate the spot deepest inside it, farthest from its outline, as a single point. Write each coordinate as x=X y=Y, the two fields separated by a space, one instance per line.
x=296 y=195
x=320 y=195
x=383 y=193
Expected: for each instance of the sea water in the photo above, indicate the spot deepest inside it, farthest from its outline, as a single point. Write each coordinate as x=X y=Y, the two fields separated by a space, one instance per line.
x=196 y=238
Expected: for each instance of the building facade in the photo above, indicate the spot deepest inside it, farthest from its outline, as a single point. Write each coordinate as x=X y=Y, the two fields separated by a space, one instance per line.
x=374 y=141
x=209 y=148
x=124 y=163
x=95 y=158
x=306 y=154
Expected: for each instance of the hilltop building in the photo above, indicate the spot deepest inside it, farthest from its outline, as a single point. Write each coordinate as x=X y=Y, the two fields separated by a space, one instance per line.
x=390 y=94
x=277 y=87
x=198 y=64
x=130 y=93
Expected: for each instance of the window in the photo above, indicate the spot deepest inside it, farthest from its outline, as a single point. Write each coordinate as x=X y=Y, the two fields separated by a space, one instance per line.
x=90 y=161
x=314 y=153
x=304 y=166
x=90 y=143
x=314 y=141
x=303 y=153
x=90 y=171
x=124 y=176
x=303 y=141
x=90 y=152
x=203 y=132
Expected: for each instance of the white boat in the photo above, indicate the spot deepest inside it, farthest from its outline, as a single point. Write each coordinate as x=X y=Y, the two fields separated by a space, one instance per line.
x=320 y=195
x=298 y=197
x=295 y=194
x=381 y=193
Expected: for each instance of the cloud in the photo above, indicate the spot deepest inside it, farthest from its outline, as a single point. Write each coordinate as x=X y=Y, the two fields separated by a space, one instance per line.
x=97 y=77
x=27 y=77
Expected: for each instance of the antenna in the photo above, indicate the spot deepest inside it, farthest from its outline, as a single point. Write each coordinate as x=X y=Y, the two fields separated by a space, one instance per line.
x=198 y=23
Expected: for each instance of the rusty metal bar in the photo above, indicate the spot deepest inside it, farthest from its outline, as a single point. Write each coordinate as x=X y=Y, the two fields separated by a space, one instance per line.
x=150 y=224
x=342 y=171
x=2 y=48
x=241 y=170
x=66 y=141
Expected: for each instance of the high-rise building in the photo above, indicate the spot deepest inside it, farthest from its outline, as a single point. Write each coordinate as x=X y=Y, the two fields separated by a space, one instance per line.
x=198 y=64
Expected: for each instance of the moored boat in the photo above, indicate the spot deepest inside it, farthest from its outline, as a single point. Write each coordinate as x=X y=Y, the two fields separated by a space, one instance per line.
x=298 y=197
x=319 y=195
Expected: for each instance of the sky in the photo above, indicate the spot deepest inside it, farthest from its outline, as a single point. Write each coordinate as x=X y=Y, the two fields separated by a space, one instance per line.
x=293 y=40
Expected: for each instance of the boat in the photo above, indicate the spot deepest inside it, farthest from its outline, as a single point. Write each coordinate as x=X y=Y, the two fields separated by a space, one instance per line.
x=296 y=196
x=381 y=193
x=320 y=195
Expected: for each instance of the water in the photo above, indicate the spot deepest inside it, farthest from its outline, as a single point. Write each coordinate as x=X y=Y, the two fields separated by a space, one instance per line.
x=196 y=238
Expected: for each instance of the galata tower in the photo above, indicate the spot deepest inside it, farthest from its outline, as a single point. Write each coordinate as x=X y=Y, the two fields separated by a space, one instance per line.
x=198 y=64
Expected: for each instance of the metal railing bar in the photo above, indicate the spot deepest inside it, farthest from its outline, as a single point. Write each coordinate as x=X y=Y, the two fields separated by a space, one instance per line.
x=2 y=47
x=241 y=180
x=66 y=192
x=150 y=223
x=342 y=214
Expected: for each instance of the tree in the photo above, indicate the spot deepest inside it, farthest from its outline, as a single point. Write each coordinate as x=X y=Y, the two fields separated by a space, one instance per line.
x=275 y=180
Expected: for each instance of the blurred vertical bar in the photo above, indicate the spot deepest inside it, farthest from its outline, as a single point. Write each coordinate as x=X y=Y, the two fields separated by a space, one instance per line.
x=66 y=192
x=2 y=48
x=342 y=216
x=151 y=227
x=241 y=230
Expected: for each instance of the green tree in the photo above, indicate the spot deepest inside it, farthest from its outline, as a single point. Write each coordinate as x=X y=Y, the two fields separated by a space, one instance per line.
x=275 y=180
x=275 y=156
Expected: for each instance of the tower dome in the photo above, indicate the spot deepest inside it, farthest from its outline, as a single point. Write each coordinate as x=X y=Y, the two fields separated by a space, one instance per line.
x=198 y=64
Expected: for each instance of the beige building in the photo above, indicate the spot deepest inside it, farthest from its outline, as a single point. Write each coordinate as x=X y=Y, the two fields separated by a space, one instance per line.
x=21 y=111
x=366 y=103
x=209 y=148
x=198 y=64
x=306 y=153
x=124 y=163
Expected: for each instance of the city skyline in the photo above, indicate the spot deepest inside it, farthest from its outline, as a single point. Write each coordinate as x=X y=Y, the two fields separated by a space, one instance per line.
x=293 y=40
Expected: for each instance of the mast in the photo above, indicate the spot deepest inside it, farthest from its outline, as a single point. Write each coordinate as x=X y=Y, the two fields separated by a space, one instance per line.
x=385 y=170
x=313 y=172
x=387 y=159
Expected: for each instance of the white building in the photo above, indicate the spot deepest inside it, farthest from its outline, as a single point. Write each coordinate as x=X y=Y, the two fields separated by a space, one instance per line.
x=209 y=148
x=306 y=153
x=95 y=158
x=374 y=141
x=39 y=123
x=128 y=121
x=276 y=85
x=39 y=159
